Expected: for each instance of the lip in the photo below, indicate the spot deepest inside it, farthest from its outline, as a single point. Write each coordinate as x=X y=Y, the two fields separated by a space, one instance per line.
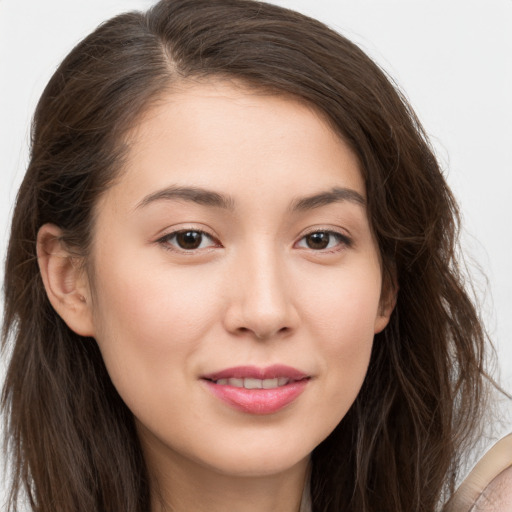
x=257 y=401
x=253 y=372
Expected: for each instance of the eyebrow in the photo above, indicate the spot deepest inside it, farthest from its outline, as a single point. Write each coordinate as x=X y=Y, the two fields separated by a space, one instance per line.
x=335 y=195
x=193 y=194
x=215 y=199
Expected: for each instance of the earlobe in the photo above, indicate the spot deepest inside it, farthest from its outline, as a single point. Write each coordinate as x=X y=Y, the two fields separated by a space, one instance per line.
x=382 y=320
x=64 y=280
x=386 y=307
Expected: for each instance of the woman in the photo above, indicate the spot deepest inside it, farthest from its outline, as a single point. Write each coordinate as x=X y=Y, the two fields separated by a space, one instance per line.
x=231 y=281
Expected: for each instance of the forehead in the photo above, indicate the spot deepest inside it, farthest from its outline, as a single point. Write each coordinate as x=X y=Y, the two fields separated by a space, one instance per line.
x=226 y=136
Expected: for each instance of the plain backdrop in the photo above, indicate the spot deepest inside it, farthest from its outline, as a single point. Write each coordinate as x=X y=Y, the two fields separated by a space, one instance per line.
x=452 y=58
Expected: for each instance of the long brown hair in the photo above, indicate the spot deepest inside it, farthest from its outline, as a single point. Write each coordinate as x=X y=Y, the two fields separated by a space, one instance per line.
x=70 y=437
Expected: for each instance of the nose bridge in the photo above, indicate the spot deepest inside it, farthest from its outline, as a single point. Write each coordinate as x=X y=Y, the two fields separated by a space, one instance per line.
x=265 y=281
x=261 y=302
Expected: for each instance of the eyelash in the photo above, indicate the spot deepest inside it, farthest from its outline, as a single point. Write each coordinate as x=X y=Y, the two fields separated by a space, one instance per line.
x=166 y=241
x=343 y=241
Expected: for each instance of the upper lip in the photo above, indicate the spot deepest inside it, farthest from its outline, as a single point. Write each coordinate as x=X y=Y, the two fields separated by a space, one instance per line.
x=253 y=372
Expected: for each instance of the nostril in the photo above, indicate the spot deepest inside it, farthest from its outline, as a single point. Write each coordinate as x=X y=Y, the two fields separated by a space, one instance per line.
x=269 y=334
x=263 y=334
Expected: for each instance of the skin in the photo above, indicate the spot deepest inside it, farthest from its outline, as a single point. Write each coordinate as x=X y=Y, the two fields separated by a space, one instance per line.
x=497 y=496
x=255 y=292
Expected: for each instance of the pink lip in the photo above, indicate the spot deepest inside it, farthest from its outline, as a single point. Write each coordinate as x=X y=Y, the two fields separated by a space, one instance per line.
x=252 y=372
x=258 y=401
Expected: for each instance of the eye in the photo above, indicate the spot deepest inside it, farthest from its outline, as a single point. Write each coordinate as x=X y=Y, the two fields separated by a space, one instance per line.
x=188 y=240
x=323 y=240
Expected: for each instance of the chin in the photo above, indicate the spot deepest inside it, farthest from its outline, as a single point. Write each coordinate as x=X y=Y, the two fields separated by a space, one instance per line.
x=257 y=459
x=254 y=466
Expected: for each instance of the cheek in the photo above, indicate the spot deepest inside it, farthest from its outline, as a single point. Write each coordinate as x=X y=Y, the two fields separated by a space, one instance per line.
x=156 y=305
x=342 y=319
x=343 y=308
x=149 y=326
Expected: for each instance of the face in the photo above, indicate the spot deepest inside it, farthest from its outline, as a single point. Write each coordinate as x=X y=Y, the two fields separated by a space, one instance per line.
x=234 y=253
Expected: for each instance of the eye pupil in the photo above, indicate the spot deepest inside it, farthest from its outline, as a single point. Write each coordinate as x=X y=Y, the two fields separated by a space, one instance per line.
x=319 y=240
x=189 y=239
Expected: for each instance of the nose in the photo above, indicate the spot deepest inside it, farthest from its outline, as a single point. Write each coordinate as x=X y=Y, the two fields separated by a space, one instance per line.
x=261 y=299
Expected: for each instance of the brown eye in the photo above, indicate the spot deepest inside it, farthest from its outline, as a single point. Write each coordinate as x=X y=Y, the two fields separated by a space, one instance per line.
x=321 y=240
x=318 y=240
x=188 y=240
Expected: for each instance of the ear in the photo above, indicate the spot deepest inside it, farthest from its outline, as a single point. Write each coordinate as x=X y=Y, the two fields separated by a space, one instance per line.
x=387 y=303
x=65 y=280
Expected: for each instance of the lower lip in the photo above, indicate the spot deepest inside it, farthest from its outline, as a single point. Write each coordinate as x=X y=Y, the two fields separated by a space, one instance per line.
x=258 y=401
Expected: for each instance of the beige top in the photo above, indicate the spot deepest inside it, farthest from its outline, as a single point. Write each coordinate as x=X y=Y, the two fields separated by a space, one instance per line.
x=488 y=487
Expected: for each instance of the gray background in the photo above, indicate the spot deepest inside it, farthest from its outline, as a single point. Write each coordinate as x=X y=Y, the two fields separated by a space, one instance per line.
x=453 y=59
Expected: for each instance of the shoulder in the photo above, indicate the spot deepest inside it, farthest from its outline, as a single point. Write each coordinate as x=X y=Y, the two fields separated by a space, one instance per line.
x=497 y=496
x=488 y=487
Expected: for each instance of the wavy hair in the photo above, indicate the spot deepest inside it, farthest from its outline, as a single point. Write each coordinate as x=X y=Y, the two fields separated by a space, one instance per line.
x=70 y=438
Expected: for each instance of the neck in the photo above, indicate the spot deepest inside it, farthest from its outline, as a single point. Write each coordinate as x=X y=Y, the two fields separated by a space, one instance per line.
x=180 y=485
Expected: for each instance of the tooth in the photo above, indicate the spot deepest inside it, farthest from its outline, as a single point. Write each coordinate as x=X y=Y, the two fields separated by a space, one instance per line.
x=237 y=383
x=252 y=383
x=270 y=383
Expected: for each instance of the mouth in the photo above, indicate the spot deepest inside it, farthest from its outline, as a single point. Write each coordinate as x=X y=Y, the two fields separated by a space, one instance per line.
x=250 y=383
x=257 y=390
x=254 y=374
